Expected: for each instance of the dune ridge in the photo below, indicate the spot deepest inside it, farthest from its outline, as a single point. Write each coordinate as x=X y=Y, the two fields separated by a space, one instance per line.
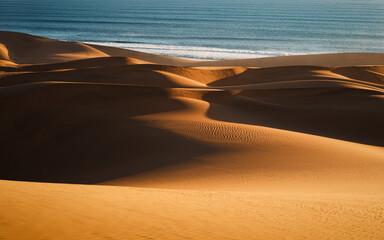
x=276 y=137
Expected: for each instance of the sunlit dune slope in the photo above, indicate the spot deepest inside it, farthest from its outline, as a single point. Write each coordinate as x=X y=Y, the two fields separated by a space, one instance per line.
x=53 y=211
x=24 y=48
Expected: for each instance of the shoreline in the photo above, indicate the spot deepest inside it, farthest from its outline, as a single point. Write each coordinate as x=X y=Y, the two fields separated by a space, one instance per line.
x=197 y=53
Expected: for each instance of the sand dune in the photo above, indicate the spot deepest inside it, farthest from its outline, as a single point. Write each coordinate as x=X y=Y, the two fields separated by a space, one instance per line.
x=236 y=149
x=54 y=211
x=24 y=48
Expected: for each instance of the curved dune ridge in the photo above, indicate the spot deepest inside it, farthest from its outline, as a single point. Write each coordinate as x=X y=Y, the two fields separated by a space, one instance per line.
x=240 y=146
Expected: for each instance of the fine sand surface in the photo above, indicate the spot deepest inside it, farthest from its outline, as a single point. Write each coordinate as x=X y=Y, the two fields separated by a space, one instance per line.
x=271 y=148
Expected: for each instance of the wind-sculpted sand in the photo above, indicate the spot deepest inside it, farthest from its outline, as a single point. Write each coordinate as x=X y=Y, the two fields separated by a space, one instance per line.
x=271 y=148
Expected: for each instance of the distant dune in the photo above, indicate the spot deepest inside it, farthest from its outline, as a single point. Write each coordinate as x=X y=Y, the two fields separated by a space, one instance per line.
x=270 y=148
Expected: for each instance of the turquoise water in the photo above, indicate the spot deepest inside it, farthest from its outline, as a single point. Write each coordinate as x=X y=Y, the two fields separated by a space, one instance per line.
x=209 y=29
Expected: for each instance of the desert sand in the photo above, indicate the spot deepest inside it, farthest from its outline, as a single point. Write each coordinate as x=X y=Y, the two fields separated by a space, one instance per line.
x=106 y=143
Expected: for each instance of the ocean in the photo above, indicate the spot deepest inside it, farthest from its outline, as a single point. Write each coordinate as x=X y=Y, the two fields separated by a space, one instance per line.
x=206 y=29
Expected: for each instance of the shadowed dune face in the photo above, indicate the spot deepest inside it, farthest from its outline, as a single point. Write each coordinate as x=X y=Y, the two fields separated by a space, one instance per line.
x=105 y=118
x=309 y=111
x=87 y=133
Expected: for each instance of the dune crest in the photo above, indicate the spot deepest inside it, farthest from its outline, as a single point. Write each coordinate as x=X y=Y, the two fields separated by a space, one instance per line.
x=25 y=48
x=3 y=53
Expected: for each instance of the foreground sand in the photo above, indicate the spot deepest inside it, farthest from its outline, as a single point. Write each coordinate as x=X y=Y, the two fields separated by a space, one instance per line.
x=274 y=148
x=63 y=211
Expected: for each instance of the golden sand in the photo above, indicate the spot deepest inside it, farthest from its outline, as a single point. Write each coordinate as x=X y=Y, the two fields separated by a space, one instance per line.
x=271 y=148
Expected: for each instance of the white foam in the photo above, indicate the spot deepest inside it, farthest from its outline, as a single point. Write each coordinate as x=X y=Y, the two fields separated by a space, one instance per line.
x=192 y=52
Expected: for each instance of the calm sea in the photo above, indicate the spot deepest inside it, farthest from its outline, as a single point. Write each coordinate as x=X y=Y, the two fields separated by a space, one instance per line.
x=206 y=29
